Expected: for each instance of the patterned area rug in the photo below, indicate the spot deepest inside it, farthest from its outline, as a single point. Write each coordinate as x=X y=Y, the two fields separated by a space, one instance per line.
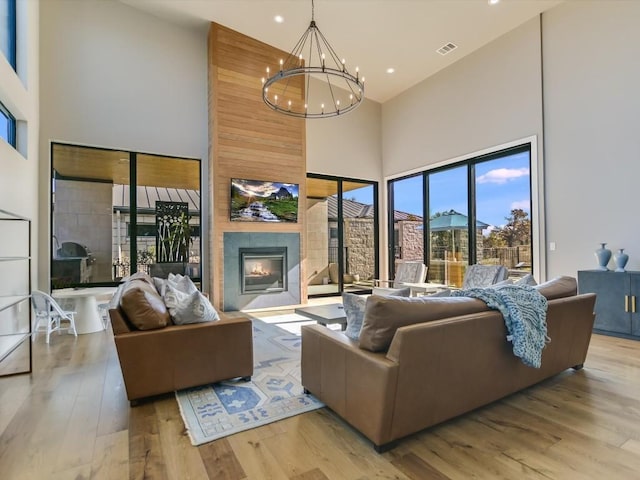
x=274 y=392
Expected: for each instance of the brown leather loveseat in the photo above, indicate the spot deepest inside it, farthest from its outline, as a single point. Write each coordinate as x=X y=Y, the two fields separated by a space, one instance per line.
x=159 y=357
x=434 y=359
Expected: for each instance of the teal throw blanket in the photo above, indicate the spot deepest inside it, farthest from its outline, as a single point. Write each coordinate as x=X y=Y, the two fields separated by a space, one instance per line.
x=525 y=315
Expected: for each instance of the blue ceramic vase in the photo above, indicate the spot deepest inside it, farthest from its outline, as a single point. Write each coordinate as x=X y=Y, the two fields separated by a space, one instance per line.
x=603 y=255
x=621 y=260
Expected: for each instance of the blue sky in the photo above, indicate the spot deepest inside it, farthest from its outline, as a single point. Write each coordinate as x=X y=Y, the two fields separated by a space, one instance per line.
x=501 y=185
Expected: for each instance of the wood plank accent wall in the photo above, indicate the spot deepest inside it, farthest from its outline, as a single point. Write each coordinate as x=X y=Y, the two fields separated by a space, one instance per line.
x=248 y=140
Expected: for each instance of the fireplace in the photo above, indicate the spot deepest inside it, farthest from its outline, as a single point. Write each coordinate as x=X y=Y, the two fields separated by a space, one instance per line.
x=263 y=270
x=241 y=291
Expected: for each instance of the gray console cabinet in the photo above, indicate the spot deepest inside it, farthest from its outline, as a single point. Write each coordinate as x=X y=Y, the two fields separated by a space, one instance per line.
x=617 y=301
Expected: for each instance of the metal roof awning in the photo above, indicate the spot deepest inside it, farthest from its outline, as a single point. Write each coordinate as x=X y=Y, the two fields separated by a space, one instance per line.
x=148 y=196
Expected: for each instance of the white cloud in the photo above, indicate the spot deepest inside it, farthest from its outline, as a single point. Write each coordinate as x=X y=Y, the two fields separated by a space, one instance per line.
x=522 y=204
x=503 y=175
x=487 y=231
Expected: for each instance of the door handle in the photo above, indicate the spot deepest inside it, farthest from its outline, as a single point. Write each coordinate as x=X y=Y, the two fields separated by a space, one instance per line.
x=626 y=303
x=633 y=303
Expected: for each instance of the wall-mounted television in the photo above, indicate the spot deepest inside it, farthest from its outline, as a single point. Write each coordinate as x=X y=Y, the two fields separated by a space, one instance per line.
x=260 y=201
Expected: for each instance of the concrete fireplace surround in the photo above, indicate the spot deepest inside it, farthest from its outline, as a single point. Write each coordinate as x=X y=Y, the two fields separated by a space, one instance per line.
x=233 y=299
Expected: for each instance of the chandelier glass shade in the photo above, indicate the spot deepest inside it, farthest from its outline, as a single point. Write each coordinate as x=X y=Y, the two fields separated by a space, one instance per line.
x=312 y=81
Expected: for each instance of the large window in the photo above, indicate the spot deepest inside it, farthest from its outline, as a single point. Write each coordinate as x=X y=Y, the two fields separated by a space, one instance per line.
x=474 y=211
x=8 y=30
x=115 y=213
x=7 y=126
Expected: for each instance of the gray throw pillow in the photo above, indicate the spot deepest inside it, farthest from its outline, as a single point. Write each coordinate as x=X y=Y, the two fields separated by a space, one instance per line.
x=354 y=311
x=526 y=280
x=187 y=308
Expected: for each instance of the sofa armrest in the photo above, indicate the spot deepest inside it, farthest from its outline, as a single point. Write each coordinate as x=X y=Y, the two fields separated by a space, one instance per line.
x=357 y=384
x=181 y=356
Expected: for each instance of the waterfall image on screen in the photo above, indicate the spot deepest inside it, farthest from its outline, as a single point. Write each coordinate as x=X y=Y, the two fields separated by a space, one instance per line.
x=260 y=201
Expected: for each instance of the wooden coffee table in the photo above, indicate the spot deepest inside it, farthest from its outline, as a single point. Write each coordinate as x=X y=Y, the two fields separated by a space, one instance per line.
x=325 y=314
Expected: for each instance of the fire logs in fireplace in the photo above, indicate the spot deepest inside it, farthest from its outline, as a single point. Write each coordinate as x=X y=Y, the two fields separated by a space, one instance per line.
x=263 y=270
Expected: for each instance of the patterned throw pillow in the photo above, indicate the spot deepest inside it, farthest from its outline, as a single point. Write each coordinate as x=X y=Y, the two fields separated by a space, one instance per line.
x=354 y=310
x=187 y=308
x=182 y=283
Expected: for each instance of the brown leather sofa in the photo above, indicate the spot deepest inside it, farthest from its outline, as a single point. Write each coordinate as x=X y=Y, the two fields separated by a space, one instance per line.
x=167 y=358
x=437 y=368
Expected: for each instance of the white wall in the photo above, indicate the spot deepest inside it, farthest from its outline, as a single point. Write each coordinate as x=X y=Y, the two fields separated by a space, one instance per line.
x=349 y=145
x=19 y=93
x=113 y=76
x=487 y=98
x=592 y=105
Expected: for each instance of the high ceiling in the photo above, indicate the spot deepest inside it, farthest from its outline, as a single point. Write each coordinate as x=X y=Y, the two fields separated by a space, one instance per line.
x=372 y=34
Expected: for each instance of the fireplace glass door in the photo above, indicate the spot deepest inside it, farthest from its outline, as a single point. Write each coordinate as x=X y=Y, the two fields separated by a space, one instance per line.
x=263 y=270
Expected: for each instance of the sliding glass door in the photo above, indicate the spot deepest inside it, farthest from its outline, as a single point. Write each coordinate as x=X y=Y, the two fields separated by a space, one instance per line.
x=342 y=235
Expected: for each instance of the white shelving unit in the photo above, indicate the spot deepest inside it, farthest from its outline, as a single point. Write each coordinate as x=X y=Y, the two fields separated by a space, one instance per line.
x=15 y=294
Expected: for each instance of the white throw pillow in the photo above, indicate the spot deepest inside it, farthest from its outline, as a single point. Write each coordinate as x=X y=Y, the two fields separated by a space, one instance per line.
x=182 y=283
x=354 y=311
x=187 y=308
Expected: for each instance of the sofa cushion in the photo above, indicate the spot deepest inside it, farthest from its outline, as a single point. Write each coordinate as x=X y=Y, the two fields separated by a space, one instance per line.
x=384 y=315
x=558 y=287
x=354 y=310
x=188 y=308
x=143 y=306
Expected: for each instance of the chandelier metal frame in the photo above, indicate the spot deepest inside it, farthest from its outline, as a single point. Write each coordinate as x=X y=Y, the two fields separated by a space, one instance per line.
x=322 y=62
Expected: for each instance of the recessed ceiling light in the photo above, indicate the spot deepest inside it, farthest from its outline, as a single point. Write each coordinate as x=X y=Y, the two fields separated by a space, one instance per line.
x=494 y=2
x=279 y=18
x=391 y=70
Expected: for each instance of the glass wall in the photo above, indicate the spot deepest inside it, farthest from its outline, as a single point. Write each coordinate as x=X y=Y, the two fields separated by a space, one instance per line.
x=478 y=212
x=103 y=230
x=342 y=235
x=448 y=225
x=406 y=200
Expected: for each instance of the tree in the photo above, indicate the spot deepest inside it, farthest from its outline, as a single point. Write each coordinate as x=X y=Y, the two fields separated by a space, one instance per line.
x=517 y=231
x=494 y=239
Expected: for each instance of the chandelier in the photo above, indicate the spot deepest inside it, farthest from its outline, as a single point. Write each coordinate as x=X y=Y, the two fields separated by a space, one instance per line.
x=334 y=91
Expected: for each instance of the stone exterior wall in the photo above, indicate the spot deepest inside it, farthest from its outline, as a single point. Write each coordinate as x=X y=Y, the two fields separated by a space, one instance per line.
x=360 y=243
x=411 y=236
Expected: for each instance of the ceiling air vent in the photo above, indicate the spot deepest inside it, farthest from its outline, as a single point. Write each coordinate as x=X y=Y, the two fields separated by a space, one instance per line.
x=449 y=47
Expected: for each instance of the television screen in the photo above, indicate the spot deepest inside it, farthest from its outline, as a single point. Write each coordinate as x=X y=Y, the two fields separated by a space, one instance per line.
x=258 y=201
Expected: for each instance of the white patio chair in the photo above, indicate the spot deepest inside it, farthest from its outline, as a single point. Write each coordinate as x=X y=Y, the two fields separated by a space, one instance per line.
x=406 y=272
x=480 y=276
x=49 y=315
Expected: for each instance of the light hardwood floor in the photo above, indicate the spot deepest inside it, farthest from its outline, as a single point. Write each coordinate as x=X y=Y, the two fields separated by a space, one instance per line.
x=70 y=420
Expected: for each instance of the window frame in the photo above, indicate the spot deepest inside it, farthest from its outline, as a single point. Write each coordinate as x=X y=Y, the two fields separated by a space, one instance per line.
x=11 y=122
x=529 y=145
x=12 y=33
